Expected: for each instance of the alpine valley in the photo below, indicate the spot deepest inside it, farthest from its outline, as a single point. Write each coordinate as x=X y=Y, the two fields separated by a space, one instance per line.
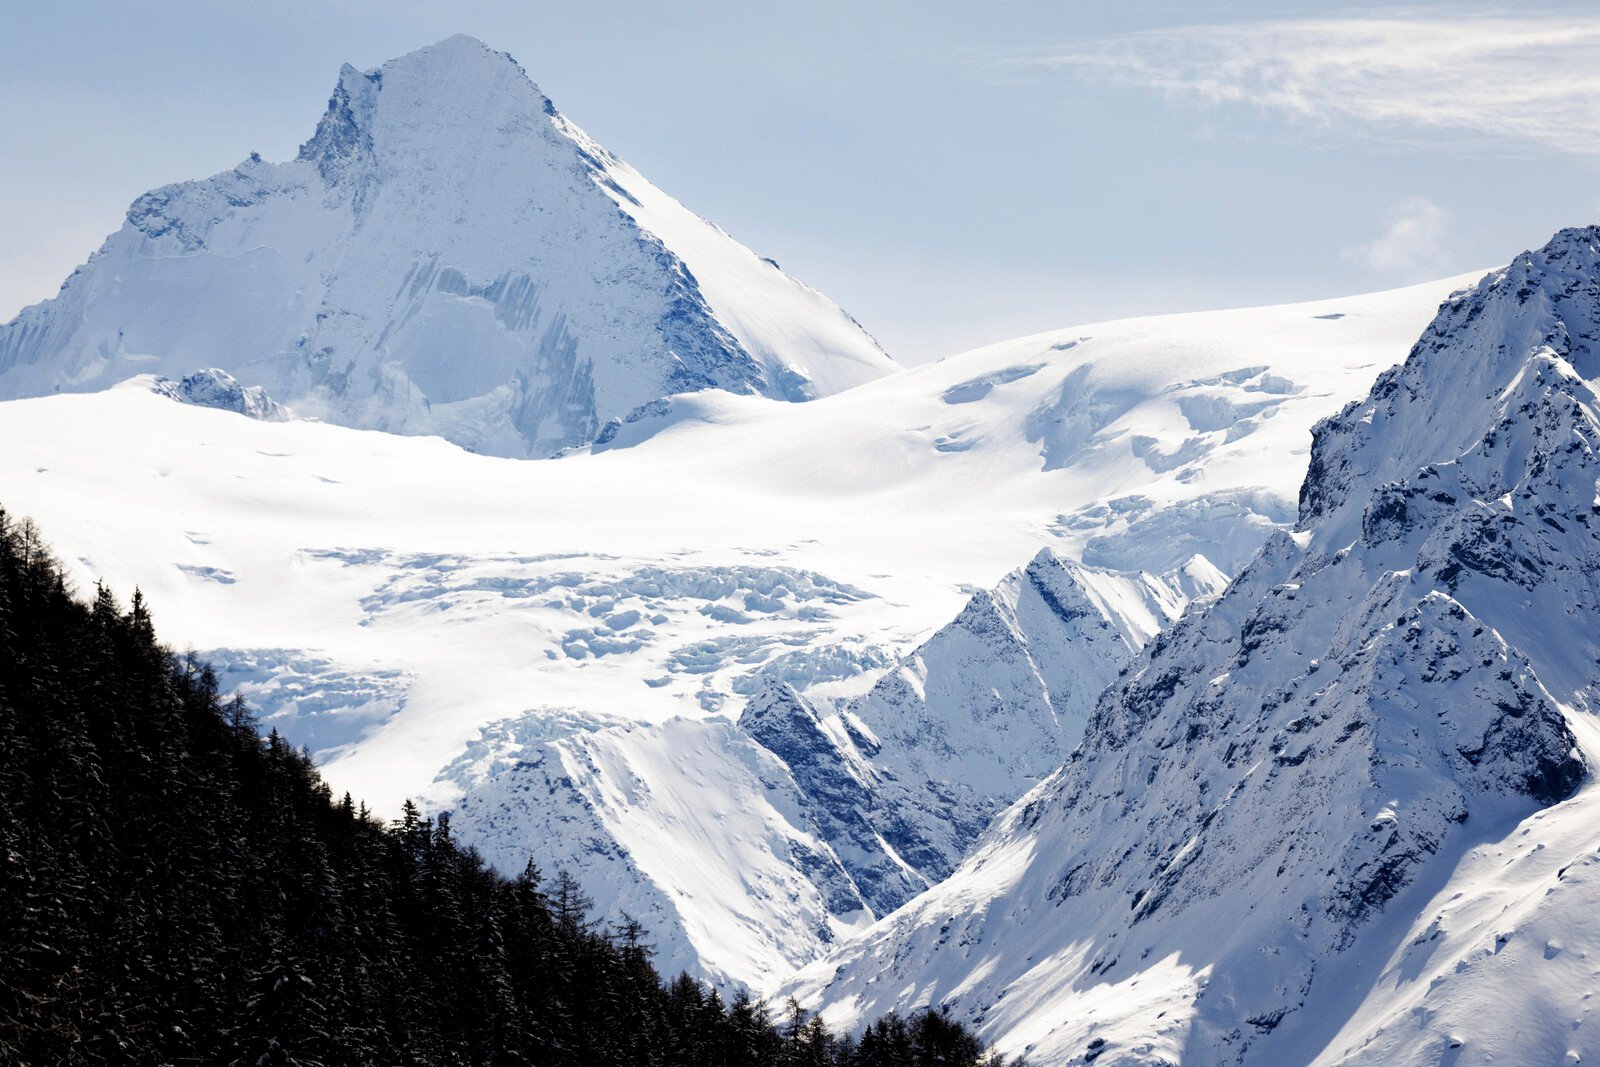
x=1206 y=688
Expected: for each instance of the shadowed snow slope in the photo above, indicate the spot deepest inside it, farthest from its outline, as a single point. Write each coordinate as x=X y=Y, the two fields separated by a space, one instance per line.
x=753 y=849
x=448 y=255
x=1331 y=817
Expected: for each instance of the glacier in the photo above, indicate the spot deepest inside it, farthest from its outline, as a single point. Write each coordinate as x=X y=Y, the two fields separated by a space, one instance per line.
x=594 y=628
x=754 y=846
x=818 y=542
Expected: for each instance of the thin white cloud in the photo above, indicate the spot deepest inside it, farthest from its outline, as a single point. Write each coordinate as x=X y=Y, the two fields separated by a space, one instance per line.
x=1412 y=241
x=1533 y=78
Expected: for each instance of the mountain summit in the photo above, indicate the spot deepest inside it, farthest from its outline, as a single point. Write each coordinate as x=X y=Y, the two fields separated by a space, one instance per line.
x=446 y=255
x=1345 y=813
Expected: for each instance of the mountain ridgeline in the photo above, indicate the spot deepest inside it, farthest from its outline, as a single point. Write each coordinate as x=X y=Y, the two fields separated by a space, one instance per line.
x=805 y=820
x=1324 y=818
x=177 y=889
x=447 y=255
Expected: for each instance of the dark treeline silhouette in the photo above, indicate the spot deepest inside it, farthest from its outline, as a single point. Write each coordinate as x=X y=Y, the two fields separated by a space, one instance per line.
x=176 y=889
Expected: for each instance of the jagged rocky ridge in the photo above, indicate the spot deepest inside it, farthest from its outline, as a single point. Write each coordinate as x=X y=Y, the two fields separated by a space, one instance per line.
x=1296 y=780
x=447 y=255
x=995 y=700
x=752 y=847
x=214 y=388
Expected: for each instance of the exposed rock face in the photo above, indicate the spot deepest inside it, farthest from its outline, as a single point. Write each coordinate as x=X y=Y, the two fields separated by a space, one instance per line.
x=447 y=255
x=844 y=797
x=1275 y=791
x=213 y=388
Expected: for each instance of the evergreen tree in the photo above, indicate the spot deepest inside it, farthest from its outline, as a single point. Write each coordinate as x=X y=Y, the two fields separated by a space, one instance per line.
x=177 y=889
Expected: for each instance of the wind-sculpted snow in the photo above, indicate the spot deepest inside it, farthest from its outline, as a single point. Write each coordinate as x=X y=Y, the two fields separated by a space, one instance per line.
x=1278 y=840
x=447 y=255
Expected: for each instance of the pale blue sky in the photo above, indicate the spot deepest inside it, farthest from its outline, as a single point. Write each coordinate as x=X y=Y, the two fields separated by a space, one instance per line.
x=952 y=173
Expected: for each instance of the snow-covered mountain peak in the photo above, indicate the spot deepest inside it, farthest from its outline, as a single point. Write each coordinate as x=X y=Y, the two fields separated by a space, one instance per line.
x=1269 y=807
x=777 y=713
x=459 y=96
x=1483 y=344
x=787 y=725
x=997 y=698
x=344 y=135
x=447 y=255
x=461 y=58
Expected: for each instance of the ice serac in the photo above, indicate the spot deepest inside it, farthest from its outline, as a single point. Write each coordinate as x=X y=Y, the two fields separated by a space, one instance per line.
x=1306 y=825
x=752 y=848
x=447 y=255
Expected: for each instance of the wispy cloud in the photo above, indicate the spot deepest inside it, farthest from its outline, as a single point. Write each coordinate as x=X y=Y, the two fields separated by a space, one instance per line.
x=1412 y=240
x=1533 y=78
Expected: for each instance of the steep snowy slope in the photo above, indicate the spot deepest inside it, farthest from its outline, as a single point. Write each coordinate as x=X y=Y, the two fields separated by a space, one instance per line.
x=996 y=700
x=383 y=598
x=447 y=255
x=751 y=850
x=1327 y=818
